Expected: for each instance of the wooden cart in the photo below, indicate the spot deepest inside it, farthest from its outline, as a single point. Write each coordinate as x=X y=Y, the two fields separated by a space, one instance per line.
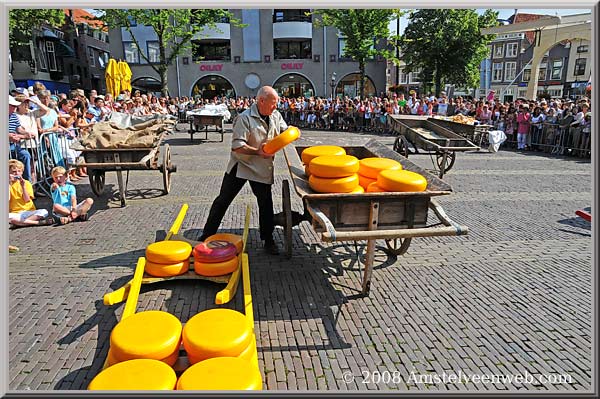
x=422 y=134
x=199 y=123
x=98 y=161
x=474 y=133
x=395 y=217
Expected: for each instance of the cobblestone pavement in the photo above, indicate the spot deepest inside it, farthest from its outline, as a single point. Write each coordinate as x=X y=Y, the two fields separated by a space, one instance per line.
x=511 y=298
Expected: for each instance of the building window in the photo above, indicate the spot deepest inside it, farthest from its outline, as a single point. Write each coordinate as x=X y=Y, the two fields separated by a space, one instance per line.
x=132 y=53
x=511 y=50
x=40 y=56
x=557 y=66
x=284 y=15
x=213 y=50
x=153 y=52
x=403 y=77
x=52 y=56
x=498 y=50
x=580 y=66
x=497 y=72
x=583 y=49
x=527 y=75
x=414 y=76
x=542 y=74
x=91 y=56
x=510 y=70
x=293 y=49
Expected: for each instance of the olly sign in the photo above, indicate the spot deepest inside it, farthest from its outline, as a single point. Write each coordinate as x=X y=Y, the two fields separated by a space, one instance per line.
x=211 y=67
x=292 y=65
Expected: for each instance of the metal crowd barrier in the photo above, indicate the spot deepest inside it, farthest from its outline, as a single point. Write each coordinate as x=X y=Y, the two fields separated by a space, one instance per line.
x=554 y=139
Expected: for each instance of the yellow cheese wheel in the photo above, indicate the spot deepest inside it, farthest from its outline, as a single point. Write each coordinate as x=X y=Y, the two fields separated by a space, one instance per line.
x=333 y=166
x=357 y=190
x=138 y=375
x=160 y=270
x=216 y=332
x=247 y=354
x=232 y=238
x=216 y=268
x=170 y=360
x=221 y=374
x=401 y=180
x=152 y=334
x=370 y=167
x=365 y=181
x=316 y=151
x=374 y=188
x=168 y=252
x=335 y=185
x=284 y=138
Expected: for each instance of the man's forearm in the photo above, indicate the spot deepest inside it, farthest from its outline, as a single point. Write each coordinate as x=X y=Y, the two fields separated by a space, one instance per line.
x=247 y=150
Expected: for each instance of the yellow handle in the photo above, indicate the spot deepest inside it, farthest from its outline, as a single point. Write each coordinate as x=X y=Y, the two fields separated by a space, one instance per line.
x=177 y=223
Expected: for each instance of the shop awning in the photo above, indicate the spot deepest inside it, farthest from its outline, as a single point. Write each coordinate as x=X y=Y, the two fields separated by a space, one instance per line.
x=64 y=50
x=48 y=34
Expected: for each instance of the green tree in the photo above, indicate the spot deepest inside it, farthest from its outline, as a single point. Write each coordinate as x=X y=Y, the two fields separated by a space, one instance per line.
x=174 y=28
x=447 y=45
x=362 y=29
x=22 y=22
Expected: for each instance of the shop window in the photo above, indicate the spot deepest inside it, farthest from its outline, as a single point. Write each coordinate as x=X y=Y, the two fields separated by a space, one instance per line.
x=580 y=66
x=211 y=50
x=132 y=53
x=153 y=51
x=557 y=66
x=527 y=75
x=292 y=49
x=51 y=56
x=284 y=15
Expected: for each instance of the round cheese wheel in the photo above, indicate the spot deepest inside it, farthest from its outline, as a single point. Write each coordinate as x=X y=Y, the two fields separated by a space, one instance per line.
x=152 y=334
x=170 y=360
x=216 y=332
x=214 y=251
x=168 y=252
x=333 y=166
x=357 y=190
x=335 y=185
x=160 y=270
x=370 y=167
x=216 y=268
x=281 y=140
x=250 y=351
x=137 y=374
x=365 y=181
x=316 y=151
x=221 y=374
x=401 y=180
x=374 y=188
x=232 y=238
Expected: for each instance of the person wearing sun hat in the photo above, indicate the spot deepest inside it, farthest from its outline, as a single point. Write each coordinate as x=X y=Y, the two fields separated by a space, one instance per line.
x=16 y=133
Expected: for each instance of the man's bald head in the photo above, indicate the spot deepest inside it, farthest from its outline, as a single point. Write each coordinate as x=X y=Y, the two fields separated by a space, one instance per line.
x=266 y=92
x=266 y=100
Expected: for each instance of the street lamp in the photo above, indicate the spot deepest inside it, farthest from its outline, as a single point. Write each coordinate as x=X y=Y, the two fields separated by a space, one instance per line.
x=332 y=84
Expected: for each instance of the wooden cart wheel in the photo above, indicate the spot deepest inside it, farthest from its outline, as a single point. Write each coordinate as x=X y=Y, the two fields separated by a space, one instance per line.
x=287 y=215
x=450 y=158
x=97 y=178
x=401 y=146
x=166 y=169
x=398 y=246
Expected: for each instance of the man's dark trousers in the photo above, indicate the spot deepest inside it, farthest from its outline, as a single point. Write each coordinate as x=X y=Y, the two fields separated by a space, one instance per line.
x=230 y=188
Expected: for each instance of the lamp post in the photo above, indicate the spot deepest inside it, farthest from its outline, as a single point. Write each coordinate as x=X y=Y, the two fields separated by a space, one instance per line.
x=332 y=84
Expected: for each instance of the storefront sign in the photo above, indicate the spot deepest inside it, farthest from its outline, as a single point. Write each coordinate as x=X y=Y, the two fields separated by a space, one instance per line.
x=211 y=67
x=292 y=65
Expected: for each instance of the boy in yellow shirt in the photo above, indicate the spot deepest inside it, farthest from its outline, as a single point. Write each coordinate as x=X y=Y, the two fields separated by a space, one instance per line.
x=21 y=209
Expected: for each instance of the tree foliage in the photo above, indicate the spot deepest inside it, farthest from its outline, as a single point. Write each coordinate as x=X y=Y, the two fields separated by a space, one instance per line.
x=447 y=45
x=362 y=29
x=22 y=22
x=174 y=28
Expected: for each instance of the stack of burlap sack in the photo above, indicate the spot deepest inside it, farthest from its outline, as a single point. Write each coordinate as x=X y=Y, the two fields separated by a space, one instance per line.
x=112 y=135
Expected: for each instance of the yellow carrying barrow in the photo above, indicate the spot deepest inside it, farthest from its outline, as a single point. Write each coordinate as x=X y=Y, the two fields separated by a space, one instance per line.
x=231 y=279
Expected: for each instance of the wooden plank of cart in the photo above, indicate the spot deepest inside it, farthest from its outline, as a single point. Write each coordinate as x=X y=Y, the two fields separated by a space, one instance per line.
x=131 y=290
x=422 y=134
x=200 y=122
x=231 y=279
x=474 y=133
x=98 y=161
x=395 y=217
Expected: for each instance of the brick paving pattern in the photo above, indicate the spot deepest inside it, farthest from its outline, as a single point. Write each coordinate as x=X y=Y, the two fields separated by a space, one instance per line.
x=510 y=298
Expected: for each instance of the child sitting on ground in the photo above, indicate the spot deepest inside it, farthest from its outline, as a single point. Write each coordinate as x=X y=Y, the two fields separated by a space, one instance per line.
x=22 y=211
x=65 y=207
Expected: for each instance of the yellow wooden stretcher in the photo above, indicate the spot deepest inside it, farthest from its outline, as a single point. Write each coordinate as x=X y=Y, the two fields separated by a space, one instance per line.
x=130 y=291
x=222 y=297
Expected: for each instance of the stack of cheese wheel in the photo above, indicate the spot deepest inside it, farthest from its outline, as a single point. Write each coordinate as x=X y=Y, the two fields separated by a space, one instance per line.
x=316 y=151
x=215 y=258
x=221 y=374
x=152 y=334
x=401 y=180
x=235 y=239
x=137 y=374
x=218 y=333
x=281 y=140
x=370 y=168
x=334 y=174
x=168 y=258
